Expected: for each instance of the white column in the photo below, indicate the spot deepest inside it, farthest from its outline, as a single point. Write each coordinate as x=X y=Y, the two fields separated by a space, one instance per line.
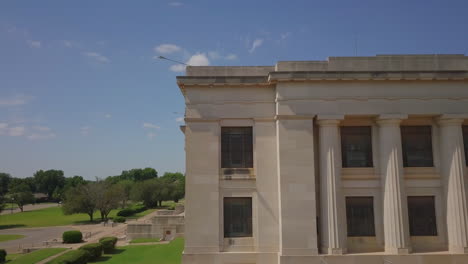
x=395 y=206
x=452 y=172
x=333 y=224
x=296 y=171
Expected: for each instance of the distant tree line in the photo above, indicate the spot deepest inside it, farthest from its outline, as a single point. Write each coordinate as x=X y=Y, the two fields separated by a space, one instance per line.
x=102 y=195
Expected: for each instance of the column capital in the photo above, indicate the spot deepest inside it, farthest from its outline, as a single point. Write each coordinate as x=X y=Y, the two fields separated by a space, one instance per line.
x=329 y=120
x=451 y=119
x=390 y=119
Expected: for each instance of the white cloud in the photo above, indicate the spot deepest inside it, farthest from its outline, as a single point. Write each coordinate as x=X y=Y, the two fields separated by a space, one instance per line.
x=231 y=57
x=68 y=44
x=255 y=44
x=167 y=48
x=42 y=128
x=96 y=56
x=107 y=115
x=85 y=130
x=214 y=55
x=15 y=100
x=151 y=126
x=34 y=43
x=199 y=59
x=284 y=36
x=176 y=4
x=16 y=131
x=36 y=136
x=180 y=119
x=151 y=135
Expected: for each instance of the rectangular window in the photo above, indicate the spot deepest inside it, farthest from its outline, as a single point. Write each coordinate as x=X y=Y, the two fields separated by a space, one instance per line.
x=236 y=147
x=360 y=216
x=465 y=140
x=417 y=146
x=422 y=216
x=237 y=217
x=356 y=146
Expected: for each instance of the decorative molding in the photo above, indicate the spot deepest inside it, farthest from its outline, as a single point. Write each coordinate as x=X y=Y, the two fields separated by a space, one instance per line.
x=294 y=117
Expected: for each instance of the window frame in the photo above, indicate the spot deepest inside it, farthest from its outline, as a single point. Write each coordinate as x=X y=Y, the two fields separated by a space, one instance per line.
x=413 y=231
x=249 y=221
x=405 y=131
x=369 y=153
x=351 y=232
x=246 y=151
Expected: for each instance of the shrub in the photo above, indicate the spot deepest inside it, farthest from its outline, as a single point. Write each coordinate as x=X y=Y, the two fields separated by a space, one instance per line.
x=94 y=250
x=70 y=237
x=108 y=244
x=119 y=219
x=126 y=212
x=72 y=257
x=171 y=207
x=2 y=255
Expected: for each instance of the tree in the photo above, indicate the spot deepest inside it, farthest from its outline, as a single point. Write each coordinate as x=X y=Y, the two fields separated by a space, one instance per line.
x=125 y=187
x=139 y=174
x=48 y=181
x=107 y=198
x=149 y=192
x=72 y=182
x=174 y=183
x=81 y=199
x=5 y=179
x=21 y=194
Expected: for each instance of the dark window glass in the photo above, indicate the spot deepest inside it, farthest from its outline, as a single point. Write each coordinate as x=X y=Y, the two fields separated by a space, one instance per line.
x=236 y=147
x=237 y=217
x=356 y=146
x=422 y=217
x=417 y=146
x=465 y=140
x=360 y=216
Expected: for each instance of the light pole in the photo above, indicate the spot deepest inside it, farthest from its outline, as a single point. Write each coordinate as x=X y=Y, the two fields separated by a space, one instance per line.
x=164 y=58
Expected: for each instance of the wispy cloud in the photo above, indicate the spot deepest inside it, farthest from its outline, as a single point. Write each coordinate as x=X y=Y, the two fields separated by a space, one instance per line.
x=167 y=48
x=150 y=125
x=231 y=57
x=15 y=100
x=96 y=56
x=180 y=119
x=68 y=44
x=215 y=55
x=36 y=136
x=41 y=128
x=199 y=59
x=255 y=44
x=151 y=135
x=108 y=116
x=176 y=4
x=34 y=43
x=15 y=131
x=284 y=36
x=85 y=130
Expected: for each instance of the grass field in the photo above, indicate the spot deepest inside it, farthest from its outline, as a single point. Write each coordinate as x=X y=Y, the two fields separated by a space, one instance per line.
x=4 y=238
x=165 y=254
x=52 y=216
x=144 y=240
x=34 y=256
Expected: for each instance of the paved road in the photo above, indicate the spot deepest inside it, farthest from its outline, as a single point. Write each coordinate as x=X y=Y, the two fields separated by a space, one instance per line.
x=33 y=237
x=29 y=207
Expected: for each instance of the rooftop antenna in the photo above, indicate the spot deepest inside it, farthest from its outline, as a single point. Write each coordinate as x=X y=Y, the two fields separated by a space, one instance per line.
x=164 y=58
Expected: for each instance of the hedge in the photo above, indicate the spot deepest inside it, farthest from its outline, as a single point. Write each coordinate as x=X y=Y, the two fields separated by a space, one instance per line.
x=94 y=249
x=3 y=254
x=72 y=257
x=119 y=219
x=129 y=211
x=108 y=244
x=70 y=237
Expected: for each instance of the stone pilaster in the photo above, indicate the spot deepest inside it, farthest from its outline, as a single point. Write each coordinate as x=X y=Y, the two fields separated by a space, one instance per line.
x=395 y=206
x=333 y=224
x=297 y=197
x=453 y=171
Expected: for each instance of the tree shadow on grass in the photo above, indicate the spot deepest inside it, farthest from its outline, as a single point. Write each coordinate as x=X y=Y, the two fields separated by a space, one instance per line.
x=117 y=251
x=87 y=222
x=11 y=226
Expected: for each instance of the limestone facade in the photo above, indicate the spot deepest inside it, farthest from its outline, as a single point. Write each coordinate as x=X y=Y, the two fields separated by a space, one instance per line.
x=302 y=192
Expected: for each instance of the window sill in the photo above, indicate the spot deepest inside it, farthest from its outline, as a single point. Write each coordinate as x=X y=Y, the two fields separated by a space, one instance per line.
x=238 y=244
x=363 y=173
x=237 y=174
x=421 y=173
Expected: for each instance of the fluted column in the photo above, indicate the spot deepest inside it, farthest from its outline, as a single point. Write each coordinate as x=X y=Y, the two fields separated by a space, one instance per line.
x=452 y=172
x=333 y=225
x=395 y=207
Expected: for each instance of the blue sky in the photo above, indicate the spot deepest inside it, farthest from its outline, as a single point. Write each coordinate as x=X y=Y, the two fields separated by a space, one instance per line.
x=80 y=89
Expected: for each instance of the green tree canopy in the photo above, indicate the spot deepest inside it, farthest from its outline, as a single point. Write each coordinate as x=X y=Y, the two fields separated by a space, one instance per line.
x=48 y=181
x=21 y=195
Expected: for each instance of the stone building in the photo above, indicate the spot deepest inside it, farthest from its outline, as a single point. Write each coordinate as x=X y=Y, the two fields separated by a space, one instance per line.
x=349 y=160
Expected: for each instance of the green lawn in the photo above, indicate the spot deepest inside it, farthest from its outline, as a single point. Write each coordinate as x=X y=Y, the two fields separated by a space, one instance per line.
x=4 y=238
x=34 y=256
x=163 y=254
x=144 y=240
